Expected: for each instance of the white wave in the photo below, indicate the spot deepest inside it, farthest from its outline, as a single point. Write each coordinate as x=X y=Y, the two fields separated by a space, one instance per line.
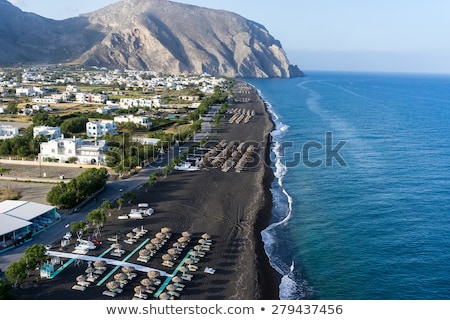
x=288 y=286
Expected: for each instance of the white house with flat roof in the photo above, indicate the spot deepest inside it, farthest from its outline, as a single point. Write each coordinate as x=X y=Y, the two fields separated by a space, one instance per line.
x=100 y=128
x=86 y=151
x=8 y=132
x=49 y=132
x=140 y=121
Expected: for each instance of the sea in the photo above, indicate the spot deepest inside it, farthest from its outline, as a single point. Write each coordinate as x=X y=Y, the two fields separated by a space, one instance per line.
x=361 y=195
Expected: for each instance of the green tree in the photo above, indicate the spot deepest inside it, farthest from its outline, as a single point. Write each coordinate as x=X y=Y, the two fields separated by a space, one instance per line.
x=5 y=290
x=34 y=256
x=16 y=272
x=96 y=217
x=78 y=227
x=120 y=202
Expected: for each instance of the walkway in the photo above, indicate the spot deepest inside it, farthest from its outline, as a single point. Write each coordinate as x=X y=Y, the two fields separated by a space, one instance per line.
x=114 y=262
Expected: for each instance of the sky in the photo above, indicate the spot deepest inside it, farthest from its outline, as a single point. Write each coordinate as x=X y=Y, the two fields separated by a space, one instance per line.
x=328 y=35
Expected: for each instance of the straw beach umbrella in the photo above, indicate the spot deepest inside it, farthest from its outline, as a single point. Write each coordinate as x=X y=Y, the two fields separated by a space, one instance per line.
x=167 y=257
x=183 y=270
x=81 y=278
x=153 y=274
x=166 y=230
x=186 y=234
x=172 y=252
x=139 y=290
x=164 y=296
x=120 y=276
x=113 y=285
x=206 y=236
x=99 y=263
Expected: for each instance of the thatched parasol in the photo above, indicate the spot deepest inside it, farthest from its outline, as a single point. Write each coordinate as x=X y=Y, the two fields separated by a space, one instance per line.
x=81 y=278
x=113 y=285
x=198 y=248
x=167 y=257
x=176 y=279
x=153 y=274
x=155 y=241
x=183 y=239
x=189 y=261
x=139 y=289
x=120 y=276
x=136 y=230
x=172 y=251
x=150 y=246
x=160 y=235
x=171 y=287
x=206 y=236
x=146 y=282
x=144 y=253
x=99 y=263
x=186 y=234
x=183 y=269
x=166 y=230
x=128 y=269
x=164 y=296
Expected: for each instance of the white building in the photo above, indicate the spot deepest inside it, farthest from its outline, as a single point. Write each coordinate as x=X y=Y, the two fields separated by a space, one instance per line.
x=19 y=220
x=127 y=103
x=87 y=151
x=49 y=132
x=100 y=128
x=140 y=121
x=8 y=132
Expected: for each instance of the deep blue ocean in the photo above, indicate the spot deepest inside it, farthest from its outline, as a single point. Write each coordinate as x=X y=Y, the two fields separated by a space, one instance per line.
x=361 y=198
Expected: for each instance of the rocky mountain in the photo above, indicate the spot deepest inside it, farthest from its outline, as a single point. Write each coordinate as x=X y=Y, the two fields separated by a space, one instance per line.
x=158 y=35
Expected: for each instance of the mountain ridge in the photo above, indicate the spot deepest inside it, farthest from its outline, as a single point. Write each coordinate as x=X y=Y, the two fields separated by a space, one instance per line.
x=158 y=35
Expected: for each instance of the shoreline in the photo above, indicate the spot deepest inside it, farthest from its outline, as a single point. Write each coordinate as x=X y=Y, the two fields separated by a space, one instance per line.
x=234 y=208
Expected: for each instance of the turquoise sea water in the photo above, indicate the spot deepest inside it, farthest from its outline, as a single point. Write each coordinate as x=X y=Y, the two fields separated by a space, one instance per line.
x=375 y=224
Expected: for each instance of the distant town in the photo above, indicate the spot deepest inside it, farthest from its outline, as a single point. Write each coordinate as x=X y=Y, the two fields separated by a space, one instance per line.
x=95 y=116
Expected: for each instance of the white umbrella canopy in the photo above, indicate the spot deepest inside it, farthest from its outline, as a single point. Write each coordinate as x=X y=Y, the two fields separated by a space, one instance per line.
x=136 y=230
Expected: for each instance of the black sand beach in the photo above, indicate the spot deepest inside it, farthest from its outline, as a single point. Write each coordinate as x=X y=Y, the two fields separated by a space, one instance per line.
x=231 y=207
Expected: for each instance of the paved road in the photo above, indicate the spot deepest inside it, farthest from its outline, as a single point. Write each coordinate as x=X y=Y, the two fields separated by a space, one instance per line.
x=111 y=192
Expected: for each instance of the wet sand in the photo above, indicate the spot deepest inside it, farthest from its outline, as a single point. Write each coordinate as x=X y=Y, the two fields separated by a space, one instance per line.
x=231 y=207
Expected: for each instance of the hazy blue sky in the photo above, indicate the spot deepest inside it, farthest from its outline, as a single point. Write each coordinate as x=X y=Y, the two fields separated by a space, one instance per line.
x=353 y=35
